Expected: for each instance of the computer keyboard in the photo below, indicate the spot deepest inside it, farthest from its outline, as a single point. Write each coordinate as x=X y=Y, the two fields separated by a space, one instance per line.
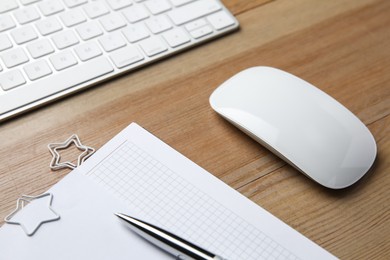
x=51 y=48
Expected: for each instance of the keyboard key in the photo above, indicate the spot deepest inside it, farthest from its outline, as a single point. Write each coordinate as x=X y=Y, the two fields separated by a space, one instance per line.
x=176 y=37
x=6 y=22
x=5 y=42
x=26 y=15
x=220 y=20
x=158 y=24
x=74 y=3
x=112 y=41
x=24 y=34
x=14 y=57
x=134 y=33
x=201 y=32
x=48 y=26
x=126 y=56
x=88 y=30
x=158 y=6
x=194 y=11
x=112 y=22
x=135 y=13
x=88 y=51
x=55 y=83
x=50 y=7
x=11 y=79
x=40 y=48
x=65 y=39
x=195 y=24
x=95 y=9
x=118 y=4
x=37 y=70
x=8 y=5
x=73 y=17
x=63 y=60
x=153 y=46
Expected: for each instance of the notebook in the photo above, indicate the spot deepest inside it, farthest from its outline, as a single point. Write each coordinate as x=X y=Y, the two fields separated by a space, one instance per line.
x=137 y=174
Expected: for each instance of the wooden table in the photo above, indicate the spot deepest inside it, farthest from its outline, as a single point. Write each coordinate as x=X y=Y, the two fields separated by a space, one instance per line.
x=341 y=46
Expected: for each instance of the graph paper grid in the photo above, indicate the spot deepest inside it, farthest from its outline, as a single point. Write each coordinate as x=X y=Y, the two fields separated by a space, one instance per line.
x=166 y=199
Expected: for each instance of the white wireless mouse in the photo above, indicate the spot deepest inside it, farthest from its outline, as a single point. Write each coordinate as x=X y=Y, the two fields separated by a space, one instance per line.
x=298 y=122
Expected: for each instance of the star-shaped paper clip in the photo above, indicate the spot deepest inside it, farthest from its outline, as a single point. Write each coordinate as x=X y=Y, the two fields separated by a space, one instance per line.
x=44 y=214
x=55 y=163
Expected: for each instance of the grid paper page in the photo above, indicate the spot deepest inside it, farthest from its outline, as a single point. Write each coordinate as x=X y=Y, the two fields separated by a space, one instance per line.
x=162 y=197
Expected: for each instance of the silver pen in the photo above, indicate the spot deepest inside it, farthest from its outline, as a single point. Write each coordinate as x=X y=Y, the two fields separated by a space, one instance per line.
x=167 y=241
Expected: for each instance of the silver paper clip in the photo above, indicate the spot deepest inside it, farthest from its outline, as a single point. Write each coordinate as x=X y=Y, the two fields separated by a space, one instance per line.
x=55 y=163
x=20 y=203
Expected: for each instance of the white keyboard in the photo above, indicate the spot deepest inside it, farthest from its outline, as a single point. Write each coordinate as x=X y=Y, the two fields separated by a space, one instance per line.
x=50 y=48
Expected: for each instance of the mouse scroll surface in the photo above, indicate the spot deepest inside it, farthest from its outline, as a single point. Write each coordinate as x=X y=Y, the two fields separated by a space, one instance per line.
x=299 y=123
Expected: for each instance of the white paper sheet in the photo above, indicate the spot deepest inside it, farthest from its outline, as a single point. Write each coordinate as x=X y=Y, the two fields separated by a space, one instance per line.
x=137 y=174
x=87 y=229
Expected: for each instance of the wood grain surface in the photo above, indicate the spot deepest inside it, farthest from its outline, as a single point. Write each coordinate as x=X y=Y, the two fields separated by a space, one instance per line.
x=341 y=46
